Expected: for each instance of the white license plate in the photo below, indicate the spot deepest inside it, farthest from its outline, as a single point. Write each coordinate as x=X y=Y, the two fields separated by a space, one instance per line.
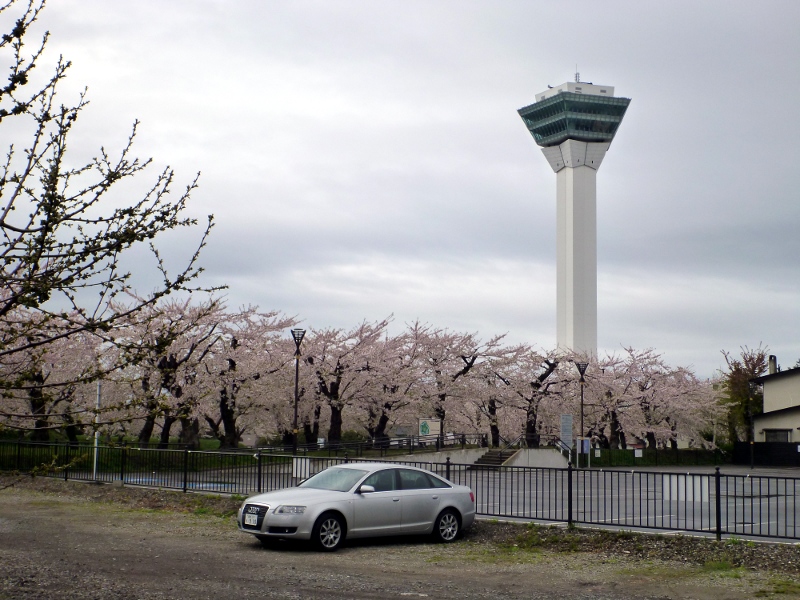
x=250 y=519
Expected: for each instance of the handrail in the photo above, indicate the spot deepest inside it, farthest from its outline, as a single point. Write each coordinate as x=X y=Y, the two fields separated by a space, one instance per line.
x=509 y=444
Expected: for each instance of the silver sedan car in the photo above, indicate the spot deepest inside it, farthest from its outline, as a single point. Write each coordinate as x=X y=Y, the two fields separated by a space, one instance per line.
x=358 y=500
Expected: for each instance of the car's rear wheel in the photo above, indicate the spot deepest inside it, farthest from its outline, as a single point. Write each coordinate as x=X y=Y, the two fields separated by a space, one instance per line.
x=328 y=533
x=447 y=527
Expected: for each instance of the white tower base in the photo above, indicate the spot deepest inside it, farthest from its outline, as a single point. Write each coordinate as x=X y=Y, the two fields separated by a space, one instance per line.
x=576 y=165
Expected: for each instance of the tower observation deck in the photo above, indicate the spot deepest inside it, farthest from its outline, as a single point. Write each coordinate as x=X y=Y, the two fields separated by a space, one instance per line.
x=574 y=123
x=575 y=111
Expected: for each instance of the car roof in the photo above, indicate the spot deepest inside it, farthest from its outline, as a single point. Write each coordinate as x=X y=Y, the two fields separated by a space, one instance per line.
x=372 y=465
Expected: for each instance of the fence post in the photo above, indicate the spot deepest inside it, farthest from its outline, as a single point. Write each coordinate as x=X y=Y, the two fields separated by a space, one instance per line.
x=66 y=464
x=185 y=469
x=569 y=494
x=718 y=507
x=258 y=456
x=447 y=469
x=346 y=460
x=19 y=454
x=122 y=465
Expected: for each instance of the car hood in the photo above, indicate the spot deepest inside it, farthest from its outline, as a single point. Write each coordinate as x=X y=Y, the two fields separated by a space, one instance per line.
x=298 y=495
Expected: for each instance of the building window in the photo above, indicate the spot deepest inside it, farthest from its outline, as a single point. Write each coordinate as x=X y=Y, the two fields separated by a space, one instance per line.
x=777 y=435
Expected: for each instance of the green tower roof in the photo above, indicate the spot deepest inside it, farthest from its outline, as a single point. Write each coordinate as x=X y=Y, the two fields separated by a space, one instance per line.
x=574 y=116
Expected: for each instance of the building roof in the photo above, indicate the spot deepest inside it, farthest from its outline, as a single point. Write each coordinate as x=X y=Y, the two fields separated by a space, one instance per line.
x=781 y=411
x=778 y=375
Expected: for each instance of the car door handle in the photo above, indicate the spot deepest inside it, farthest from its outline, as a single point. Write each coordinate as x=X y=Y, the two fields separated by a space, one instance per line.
x=395 y=499
x=435 y=497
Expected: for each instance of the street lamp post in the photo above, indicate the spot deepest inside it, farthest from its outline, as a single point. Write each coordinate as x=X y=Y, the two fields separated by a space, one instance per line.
x=582 y=370
x=297 y=335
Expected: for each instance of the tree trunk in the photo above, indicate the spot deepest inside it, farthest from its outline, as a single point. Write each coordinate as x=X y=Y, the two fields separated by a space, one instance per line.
x=617 y=436
x=147 y=429
x=41 y=432
x=146 y=432
x=190 y=433
x=650 y=437
x=379 y=437
x=440 y=413
x=380 y=428
x=311 y=430
x=214 y=427
x=532 y=437
x=230 y=436
x=163 y=442
x=493 y=428
x=70 y=429
x=335 y=430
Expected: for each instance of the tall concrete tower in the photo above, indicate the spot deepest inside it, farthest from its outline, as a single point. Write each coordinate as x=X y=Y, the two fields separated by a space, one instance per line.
x=574 y=124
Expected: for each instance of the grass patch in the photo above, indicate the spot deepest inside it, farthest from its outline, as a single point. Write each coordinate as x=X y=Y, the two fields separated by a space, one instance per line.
x=717 y=566
x=723 y=568
x=785 y=588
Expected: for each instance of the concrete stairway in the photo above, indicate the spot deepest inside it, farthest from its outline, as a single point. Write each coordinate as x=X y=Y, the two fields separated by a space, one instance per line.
x=493 y=459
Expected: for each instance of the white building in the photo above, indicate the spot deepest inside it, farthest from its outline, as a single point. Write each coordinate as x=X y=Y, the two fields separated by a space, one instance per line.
x=780 y=421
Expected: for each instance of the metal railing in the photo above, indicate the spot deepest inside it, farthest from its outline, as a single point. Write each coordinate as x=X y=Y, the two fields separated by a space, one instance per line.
x=712 y=503
x=385 y=446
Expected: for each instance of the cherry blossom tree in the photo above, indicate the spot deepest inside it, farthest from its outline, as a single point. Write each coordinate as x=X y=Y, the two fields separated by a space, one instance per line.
x=250 y=353
x=395 y=366
x=533 y=382
x=66 y=222
x=163 y=353
x=347 y=368
x=447 y=362
x=48 y=381
x=636 y=396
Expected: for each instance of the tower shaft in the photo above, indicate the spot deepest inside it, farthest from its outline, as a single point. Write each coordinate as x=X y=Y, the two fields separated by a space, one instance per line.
x=576 y=259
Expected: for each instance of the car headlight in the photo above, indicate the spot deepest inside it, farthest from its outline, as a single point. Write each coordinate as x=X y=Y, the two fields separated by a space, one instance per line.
x=290 y=510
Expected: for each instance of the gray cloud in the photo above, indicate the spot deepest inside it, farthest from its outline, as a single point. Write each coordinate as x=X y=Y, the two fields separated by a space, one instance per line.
x=365 y=158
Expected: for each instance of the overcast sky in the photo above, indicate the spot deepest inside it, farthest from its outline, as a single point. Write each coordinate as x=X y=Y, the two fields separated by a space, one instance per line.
x=365 y=158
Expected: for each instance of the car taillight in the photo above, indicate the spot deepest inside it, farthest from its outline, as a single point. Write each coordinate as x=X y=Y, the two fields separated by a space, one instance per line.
x=472 y=497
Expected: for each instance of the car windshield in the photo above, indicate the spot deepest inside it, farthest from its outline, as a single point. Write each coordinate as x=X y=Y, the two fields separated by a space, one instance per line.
x=335 y=479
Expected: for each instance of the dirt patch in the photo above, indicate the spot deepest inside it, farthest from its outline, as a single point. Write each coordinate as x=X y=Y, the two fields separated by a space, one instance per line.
x=66 y=539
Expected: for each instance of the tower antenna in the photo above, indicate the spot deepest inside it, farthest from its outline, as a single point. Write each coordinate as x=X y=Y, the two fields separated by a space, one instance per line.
x=577 y=75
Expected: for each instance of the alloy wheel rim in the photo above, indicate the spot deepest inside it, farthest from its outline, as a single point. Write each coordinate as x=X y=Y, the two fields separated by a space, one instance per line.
x=330 y=533
x=448 y=527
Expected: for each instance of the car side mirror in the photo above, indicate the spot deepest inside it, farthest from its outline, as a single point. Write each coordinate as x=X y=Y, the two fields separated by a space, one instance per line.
x=366 y=489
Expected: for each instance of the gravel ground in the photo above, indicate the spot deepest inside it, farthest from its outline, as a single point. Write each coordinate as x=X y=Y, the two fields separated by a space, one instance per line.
x=83 y=541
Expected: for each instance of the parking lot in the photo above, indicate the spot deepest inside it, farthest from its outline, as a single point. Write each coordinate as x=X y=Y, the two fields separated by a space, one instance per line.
x=751 y=503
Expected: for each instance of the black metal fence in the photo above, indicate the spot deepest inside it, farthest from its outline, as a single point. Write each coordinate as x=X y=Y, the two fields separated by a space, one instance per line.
x=713 y=503
x=654 y=457
x=767 y=454
x=386 y=446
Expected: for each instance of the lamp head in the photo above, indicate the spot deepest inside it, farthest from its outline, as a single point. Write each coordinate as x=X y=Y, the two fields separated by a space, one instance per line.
x=298 y=335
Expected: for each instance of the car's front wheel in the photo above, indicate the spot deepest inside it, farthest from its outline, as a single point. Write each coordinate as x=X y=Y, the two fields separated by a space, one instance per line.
x=328 y=533
x=447 y=527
